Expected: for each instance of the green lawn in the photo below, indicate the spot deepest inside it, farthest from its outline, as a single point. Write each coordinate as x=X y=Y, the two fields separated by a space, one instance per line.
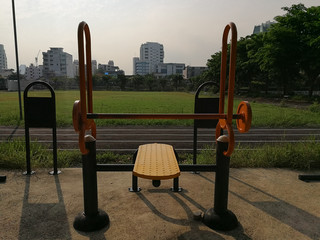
x=264 y=115
x=298 y=155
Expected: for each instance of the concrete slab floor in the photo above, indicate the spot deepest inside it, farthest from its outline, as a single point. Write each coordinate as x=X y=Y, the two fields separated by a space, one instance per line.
x=269 y=204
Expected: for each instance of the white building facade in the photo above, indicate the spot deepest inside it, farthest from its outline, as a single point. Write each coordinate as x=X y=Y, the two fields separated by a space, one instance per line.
x=192 y=71
x=76 y=67
x=33 y=72
x=3 y=58
x=151 y=54
x=167 y=69
x=57 y=63
x=262 y=28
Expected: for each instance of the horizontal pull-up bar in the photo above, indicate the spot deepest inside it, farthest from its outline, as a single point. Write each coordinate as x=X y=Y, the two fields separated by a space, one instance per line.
x=82 y=123
x=207 y=116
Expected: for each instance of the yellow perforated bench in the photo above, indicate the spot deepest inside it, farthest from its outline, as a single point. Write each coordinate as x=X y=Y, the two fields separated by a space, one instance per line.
x=157 y=162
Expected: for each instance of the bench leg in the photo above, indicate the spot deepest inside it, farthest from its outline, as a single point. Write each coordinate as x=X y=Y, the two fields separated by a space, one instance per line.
x=134 y=187
x=176 y=187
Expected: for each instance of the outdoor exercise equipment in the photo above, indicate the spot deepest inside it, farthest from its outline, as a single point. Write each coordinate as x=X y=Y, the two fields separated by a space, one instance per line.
x=157 y=162
x=40 y=112
x=203 y=105
x=83 y=116
x=83 y=120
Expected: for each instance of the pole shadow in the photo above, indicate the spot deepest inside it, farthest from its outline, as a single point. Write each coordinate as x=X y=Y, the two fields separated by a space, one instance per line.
x=43 y=220
x=195 y=231
x=294 y=217
x=9 y=138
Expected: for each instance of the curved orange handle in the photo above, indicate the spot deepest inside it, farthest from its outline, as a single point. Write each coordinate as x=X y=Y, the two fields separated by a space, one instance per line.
x=227 y=123
x=85 y=104
x=232 y=69
x=231 y=137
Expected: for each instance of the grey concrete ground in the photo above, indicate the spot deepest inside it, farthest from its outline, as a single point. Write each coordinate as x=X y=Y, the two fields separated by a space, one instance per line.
x=269 y=204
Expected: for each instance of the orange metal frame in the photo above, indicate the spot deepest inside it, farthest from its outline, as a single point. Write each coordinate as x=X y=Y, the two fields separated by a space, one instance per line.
x=83 y=116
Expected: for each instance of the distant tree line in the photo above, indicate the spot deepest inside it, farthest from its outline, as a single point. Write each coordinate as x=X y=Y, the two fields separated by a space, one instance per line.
x=285 y=58
x=149 y=82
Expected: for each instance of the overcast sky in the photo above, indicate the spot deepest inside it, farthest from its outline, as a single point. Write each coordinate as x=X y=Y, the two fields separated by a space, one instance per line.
x=190 y=30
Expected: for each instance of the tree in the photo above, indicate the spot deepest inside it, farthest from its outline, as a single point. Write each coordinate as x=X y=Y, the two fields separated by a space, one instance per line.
x=163 y=83
x=106 y=80
x=150 y=81
x=305 y=24
x=122 y=81
x=137 y=81
x=176 y=79
x=213 y=72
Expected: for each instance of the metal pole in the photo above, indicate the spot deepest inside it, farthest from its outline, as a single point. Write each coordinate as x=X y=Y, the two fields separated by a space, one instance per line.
x=221 y=187
x=17 y=58
x=92 y=219
x=219 y=217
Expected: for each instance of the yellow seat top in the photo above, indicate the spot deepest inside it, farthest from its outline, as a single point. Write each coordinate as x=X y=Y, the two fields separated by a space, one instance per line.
x=156 y=161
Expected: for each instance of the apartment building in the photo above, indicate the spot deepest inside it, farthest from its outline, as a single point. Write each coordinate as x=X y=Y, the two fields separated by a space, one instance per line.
x=192 y=71
x=76 y=67
x=57 y=63
x=167 y=69
x=262 y=28
x=33 y=72
x=3 y=58
x=151 y=54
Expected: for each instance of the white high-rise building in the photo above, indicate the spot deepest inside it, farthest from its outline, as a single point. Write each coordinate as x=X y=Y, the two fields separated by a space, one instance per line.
x=33 y=72
x=151 y=54
x=3 y=58
x=76 y=67
x=57 y=63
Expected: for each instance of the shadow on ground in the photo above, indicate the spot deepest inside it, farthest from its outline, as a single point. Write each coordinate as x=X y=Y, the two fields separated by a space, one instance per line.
x=287 y=213
x=195 y=232
x=43 y=220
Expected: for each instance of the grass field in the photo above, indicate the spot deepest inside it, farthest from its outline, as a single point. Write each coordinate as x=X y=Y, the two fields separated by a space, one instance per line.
x=297 y=155
x=264 y=115
x=287 y=155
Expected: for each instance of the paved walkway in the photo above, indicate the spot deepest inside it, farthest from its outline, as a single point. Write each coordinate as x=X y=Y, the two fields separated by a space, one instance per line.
x=269 y=204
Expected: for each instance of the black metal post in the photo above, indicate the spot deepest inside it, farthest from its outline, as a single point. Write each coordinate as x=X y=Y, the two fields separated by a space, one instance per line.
x=92 y=219
x=219 y=217
x=176 y=187
x=134 y=187
x=17 y=56
x=27 y=139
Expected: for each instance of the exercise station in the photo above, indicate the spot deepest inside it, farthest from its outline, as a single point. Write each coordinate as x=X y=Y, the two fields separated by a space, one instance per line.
x=155 y=161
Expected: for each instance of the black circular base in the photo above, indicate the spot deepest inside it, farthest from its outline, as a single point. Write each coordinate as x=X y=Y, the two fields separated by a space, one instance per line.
x=226 y=221
x=156 y=183
x=91 y=223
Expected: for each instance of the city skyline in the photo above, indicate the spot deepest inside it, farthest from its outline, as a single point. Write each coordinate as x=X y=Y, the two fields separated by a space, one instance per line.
x=190 y=30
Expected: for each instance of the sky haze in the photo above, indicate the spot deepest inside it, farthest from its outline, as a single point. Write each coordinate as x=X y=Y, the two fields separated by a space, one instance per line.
x=190 y=30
